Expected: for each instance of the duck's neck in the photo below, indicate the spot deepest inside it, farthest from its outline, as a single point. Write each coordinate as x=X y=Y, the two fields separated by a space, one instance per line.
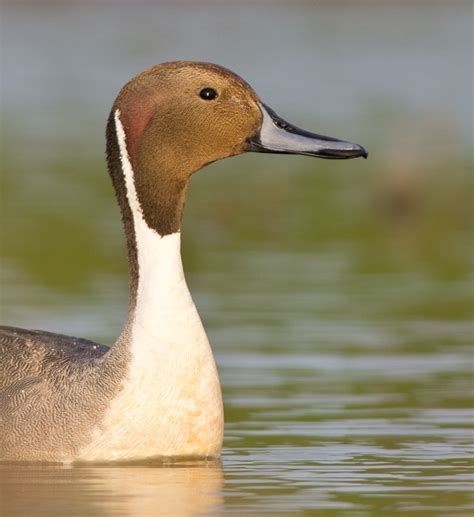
x=164 y=391
x=158 y=292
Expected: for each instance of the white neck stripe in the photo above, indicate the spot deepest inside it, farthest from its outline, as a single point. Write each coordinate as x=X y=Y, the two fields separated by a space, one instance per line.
x=128 y=172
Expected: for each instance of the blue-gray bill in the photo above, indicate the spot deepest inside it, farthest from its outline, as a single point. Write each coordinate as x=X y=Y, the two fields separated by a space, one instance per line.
x=278 y=136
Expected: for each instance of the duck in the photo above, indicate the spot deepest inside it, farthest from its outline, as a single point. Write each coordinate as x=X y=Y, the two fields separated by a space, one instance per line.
x=156 y=392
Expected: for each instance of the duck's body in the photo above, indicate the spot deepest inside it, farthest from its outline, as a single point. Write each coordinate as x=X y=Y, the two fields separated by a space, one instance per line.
x=156 y=392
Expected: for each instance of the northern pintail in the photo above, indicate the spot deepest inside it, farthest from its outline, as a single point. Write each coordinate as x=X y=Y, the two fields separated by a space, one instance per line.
x=156 y=392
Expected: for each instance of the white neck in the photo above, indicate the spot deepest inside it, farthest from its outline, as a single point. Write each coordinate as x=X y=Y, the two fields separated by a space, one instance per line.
x=171 y=401
x=162 y=294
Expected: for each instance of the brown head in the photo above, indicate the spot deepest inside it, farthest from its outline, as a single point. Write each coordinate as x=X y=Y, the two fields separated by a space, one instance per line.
x=180 y=116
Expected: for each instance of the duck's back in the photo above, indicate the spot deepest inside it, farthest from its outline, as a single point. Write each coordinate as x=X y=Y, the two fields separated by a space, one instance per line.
x=27 y=353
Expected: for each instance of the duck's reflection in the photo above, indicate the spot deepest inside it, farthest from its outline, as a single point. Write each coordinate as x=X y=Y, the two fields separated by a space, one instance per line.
x=185 y=488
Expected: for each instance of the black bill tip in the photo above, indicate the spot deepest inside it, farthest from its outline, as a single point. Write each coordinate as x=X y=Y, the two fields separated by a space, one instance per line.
x=341 y=151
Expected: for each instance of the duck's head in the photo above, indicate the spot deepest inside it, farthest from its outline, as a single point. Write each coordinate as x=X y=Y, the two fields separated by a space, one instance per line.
x=177 y=117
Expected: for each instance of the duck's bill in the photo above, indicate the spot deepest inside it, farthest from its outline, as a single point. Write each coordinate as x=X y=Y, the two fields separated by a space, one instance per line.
x=278 y=136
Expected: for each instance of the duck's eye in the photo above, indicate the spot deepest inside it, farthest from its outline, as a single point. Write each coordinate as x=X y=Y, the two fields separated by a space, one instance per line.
x=208 y=94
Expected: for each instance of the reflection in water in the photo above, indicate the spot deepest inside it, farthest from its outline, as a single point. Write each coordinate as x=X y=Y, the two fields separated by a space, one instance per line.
x=185 y=489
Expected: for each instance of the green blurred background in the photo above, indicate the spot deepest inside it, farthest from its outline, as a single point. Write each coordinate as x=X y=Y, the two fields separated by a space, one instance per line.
x=322 y=284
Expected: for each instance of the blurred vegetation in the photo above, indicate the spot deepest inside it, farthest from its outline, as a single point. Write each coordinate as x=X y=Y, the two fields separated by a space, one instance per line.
x=408 y=207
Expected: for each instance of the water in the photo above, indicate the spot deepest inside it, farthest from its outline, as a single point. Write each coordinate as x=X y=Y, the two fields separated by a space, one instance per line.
x=332 y=403
x=337 y=297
